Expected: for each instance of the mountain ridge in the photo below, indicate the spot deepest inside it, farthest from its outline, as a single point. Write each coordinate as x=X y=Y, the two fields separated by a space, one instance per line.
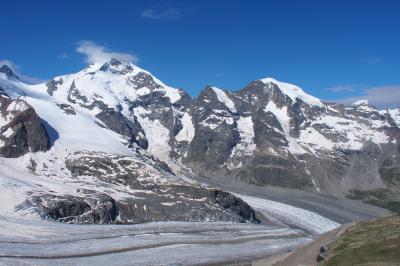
x=268 y=133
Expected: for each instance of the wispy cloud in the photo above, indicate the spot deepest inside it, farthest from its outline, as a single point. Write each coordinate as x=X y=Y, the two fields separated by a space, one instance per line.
x=95 y=53
x=381 y=97
x=373 y=60
x=341 y=88
x=162 y=13
x=17 y=70
x=63 y=56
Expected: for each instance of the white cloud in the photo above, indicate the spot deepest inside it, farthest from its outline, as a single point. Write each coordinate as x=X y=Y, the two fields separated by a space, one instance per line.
x=162 y=14
x=382 y=97
x=17 y=70
x=95 y=53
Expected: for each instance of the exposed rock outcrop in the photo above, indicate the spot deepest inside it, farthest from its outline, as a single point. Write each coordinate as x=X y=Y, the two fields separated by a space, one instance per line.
x=22 y=130
x=94 y=208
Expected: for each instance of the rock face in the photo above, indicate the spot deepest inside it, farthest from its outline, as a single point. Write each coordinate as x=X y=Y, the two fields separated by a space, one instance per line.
x=187 y=203
x=94 y=208
x=21 y=129
x=273 y=133
x=127 y=135
x=133 y=191
x=115 y=121
x=163 y=199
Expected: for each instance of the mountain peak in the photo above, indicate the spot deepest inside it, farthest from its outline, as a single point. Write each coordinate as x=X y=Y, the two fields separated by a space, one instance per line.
x=117 y=67
x=361 y=102
x=114 y=62
x=294 y=92
x=269 y=80
x=9 y=72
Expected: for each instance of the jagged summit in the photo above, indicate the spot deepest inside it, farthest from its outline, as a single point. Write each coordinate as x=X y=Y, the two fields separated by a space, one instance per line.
x=5 y=69
x=112 y=66
x=119 y=67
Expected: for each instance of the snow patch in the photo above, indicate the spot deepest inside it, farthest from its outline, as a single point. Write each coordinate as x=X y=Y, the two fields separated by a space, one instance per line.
x=355 y=133
x=168 y=203
x=158 y=138
x=223 y=98
x=246 y=145
x=172 y=94
x=17 y=106
x=8 y=133
x=284 y=120
x=316 y=139
x=187 y=131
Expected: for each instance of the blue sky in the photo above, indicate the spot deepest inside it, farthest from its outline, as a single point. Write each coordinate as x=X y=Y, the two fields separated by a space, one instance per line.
x=340 y=50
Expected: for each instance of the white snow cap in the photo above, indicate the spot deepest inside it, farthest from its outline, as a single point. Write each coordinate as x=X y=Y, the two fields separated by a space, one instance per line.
x=360 y=102
x=294 y=92
x=118 y=86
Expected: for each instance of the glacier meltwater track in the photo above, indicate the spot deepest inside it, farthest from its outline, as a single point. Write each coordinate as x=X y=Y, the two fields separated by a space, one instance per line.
x=25 y=239
x=32 y=241
x=37 y=242
x=285 y=214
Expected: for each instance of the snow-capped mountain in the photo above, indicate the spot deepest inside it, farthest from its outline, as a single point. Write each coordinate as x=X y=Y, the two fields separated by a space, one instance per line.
x=273 y=133
x=125 y=139
x=78 y=140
